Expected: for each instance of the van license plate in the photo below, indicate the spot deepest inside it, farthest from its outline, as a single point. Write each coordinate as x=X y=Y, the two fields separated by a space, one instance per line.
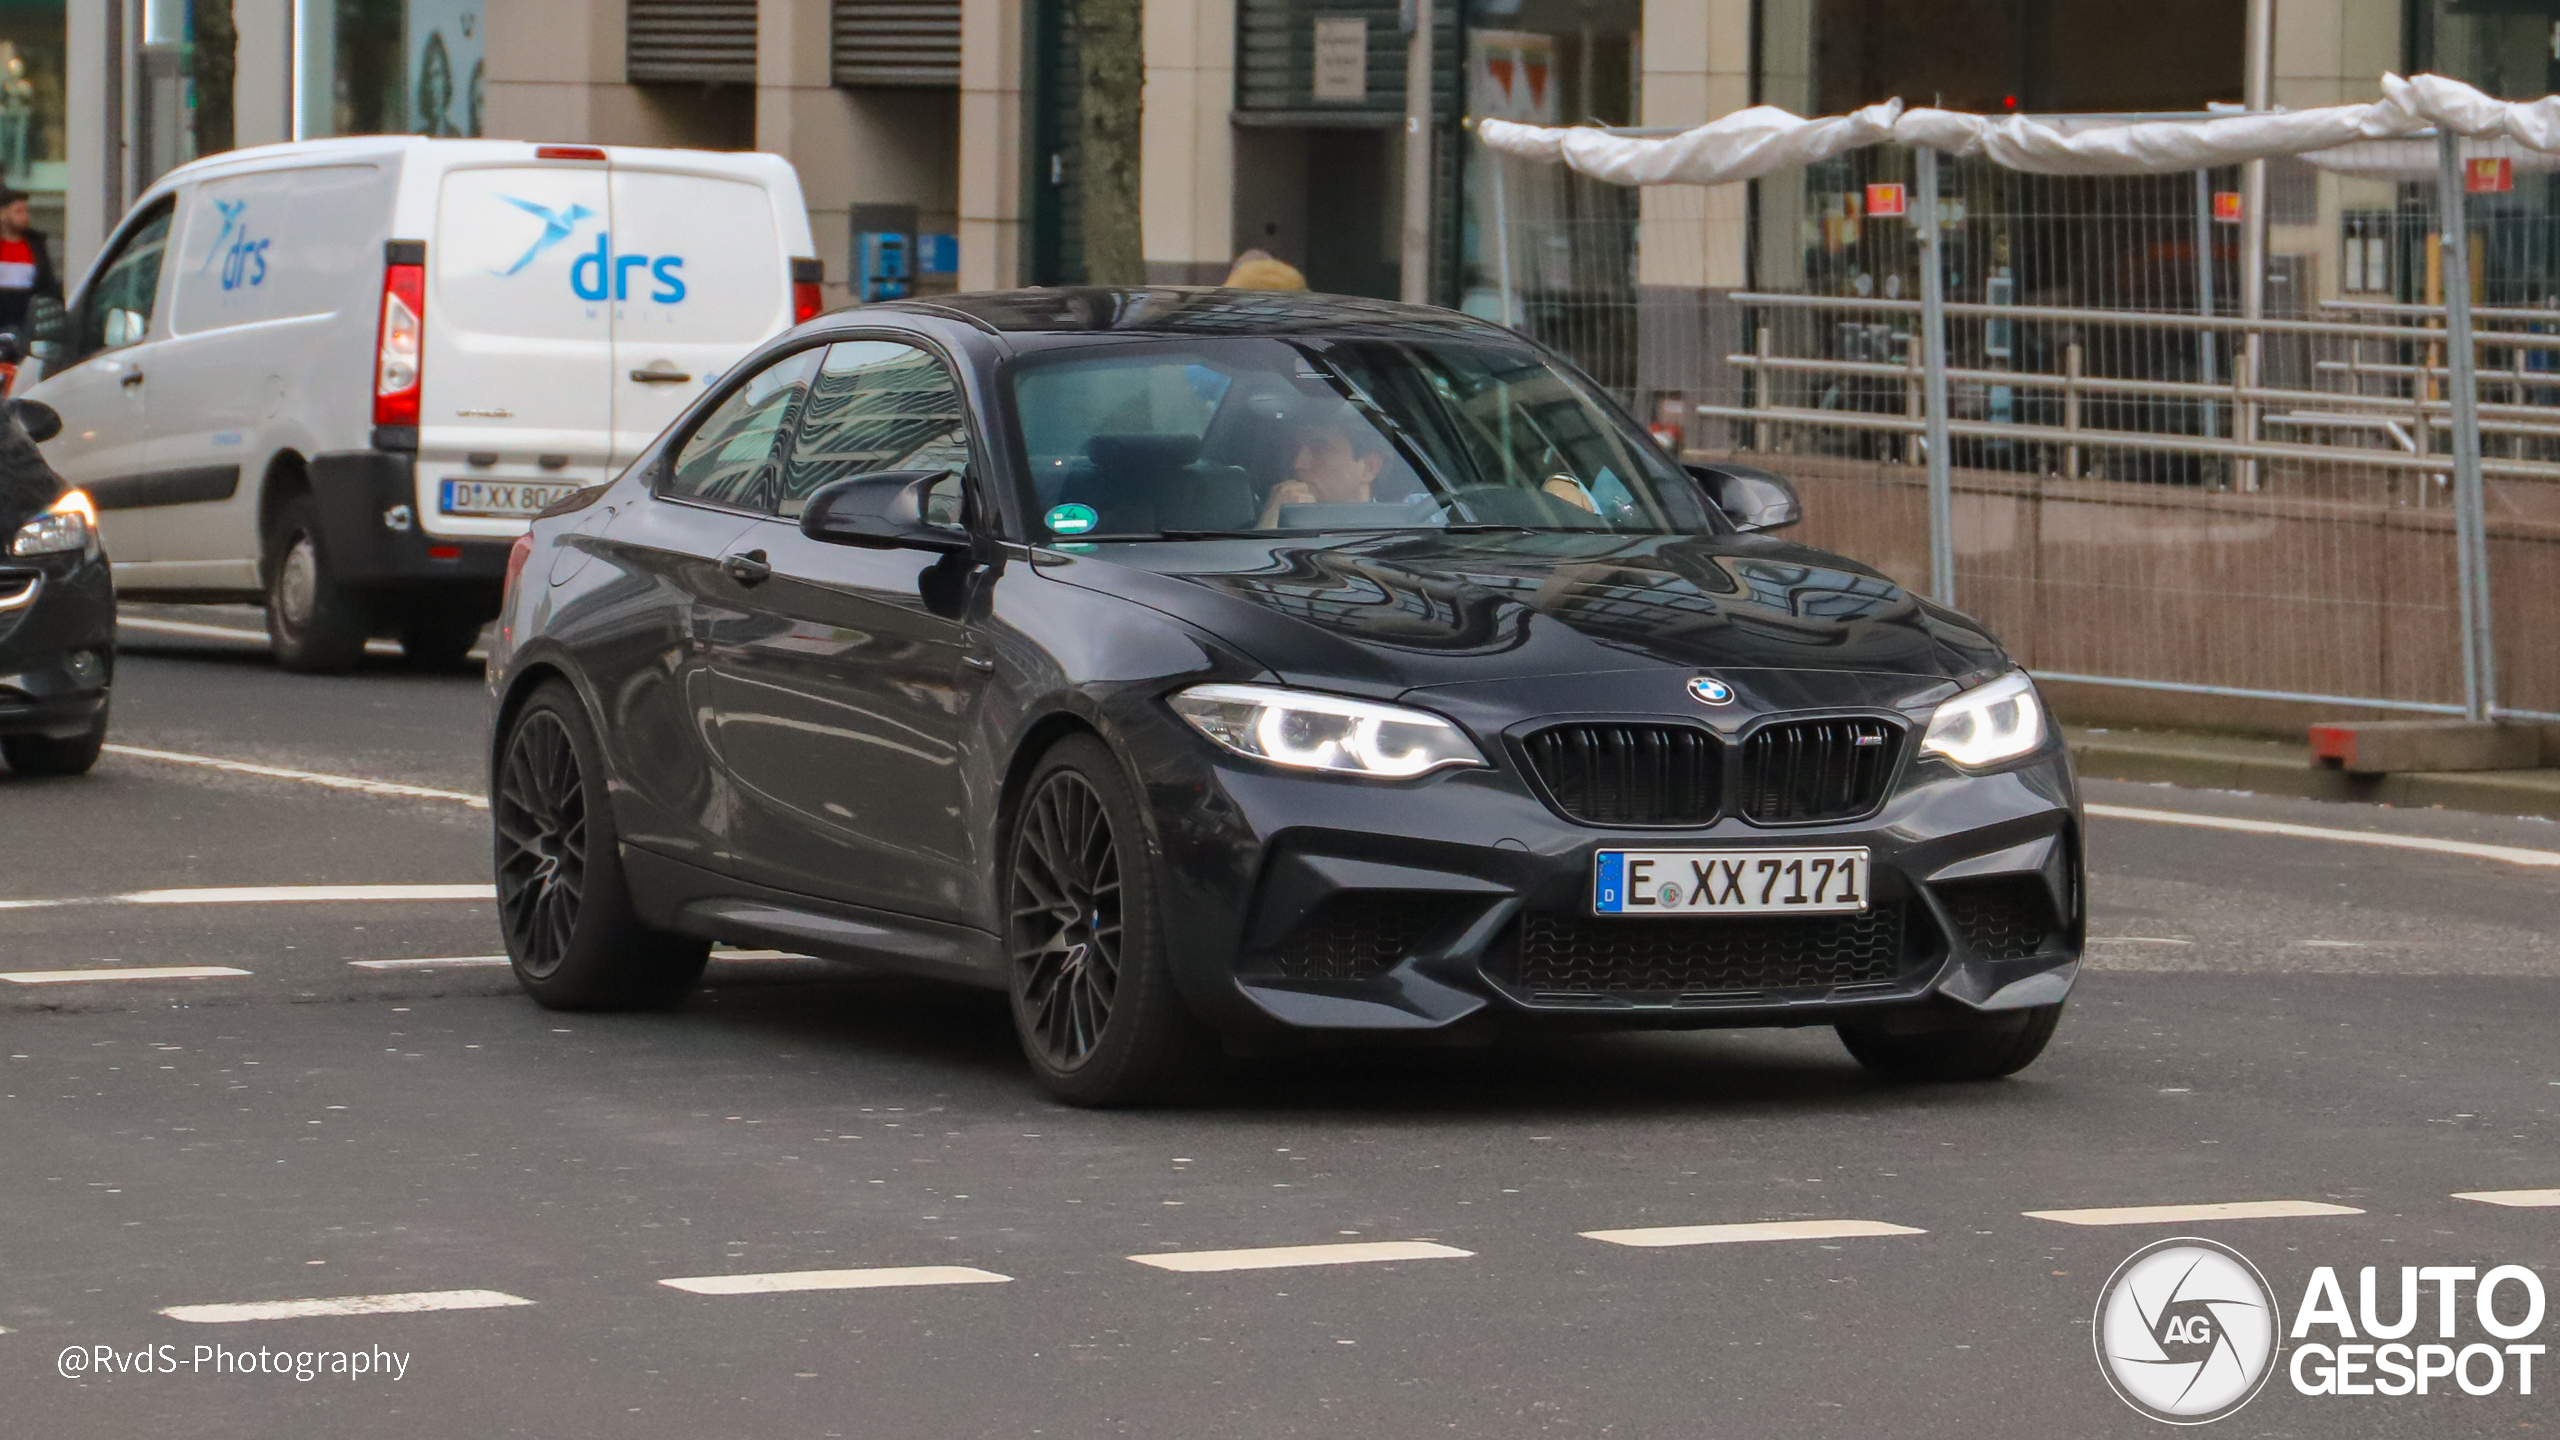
x=499 y=497
x=1730 y=882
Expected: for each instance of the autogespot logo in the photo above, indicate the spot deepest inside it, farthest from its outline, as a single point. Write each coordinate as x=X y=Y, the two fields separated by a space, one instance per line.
x=2186 y=1331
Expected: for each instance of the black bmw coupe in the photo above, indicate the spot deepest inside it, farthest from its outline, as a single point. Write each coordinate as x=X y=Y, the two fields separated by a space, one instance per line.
x=1202 y=665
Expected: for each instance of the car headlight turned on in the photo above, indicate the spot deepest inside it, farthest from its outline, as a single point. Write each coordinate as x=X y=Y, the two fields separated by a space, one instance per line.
x=72 y=524
x=1308 y=731
x=1998 y=720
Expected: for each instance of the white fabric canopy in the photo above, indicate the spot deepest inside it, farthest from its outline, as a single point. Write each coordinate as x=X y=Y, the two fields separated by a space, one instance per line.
x=1760 y=140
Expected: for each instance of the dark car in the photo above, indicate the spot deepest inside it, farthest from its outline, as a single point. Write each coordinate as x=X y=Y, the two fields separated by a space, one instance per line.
x=57 y=605
x=1204 y=664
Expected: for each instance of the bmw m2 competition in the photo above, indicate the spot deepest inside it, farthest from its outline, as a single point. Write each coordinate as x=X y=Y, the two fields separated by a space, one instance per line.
x=1204 y=665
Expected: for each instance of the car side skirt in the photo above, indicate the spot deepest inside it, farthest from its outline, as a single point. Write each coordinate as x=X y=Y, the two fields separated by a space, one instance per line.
x=689 y=900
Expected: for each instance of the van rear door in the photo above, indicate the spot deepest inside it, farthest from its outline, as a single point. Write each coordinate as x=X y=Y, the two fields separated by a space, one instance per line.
x=519 y=352
x=698 y=275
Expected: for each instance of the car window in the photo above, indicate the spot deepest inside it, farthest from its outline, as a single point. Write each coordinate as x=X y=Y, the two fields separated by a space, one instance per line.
x=879 y=405
x=115 y=311
x=1353 y=434
x=729 y=458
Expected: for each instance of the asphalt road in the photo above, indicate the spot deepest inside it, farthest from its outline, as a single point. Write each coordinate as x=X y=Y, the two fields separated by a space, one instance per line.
x=2267 y=1017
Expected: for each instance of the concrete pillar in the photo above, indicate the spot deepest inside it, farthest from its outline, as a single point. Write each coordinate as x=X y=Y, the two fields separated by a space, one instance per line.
x=991 y=132
x=877 y=145
x=2328 y=52
x=1695 y=245
x=314 y=104
x=1186 y=182
x=556 y=73
x=262 y=83
x=93 y=142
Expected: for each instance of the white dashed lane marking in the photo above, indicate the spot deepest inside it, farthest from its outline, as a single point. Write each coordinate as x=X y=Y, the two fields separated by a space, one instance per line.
x=786 y=1281
x=2175 y=1214
x=2522 y=1199
x=402 y=1304
x=465 y=962
x=197 y=631
x=269 y=895
x=1667 y=1235
x=358 y=783
x=1284 y=1257
x=2510 y=854
x=155 y=972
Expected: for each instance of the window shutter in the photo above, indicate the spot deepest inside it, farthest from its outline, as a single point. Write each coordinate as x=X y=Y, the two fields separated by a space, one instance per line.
x=700 y=40
x=897 y=42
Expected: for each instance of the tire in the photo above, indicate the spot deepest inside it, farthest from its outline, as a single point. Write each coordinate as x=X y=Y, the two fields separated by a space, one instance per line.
x=563 y=900
x=439 y=640
x=1981 y=1048
x=48 y=755
x=1094 y=1003
x=314 y=626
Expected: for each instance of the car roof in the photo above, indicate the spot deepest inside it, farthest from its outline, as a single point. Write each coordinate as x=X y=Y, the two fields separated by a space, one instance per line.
x=1187 y=310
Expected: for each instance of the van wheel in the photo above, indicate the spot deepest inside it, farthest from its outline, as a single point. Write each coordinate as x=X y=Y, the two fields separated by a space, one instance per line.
x=52 y=755
x=563 y=901
x=439 y=641
x=314 y=626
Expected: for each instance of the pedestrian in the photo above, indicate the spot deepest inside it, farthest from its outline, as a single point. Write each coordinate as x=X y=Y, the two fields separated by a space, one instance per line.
x=1258 y=270
x=26 y=265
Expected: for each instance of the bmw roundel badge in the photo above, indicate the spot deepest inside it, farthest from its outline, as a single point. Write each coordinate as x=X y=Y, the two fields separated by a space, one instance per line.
x=1708 y=690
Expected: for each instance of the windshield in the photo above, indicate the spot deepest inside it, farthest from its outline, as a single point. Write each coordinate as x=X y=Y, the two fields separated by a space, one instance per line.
x=1253 y=437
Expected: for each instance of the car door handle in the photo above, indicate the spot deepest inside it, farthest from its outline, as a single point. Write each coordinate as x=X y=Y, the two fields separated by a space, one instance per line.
x=978 y=662
x=660 y=373
x=747 y=567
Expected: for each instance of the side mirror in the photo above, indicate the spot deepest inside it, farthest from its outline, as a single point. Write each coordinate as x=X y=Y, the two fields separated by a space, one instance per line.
x=42 y=421
x=1753 y=498
x=881 y=511
x=12 y=349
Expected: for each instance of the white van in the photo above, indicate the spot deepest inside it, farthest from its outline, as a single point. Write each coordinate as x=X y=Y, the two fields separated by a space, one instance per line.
x=338 y=375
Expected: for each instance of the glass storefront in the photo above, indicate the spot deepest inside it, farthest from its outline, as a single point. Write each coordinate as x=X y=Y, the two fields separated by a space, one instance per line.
x=31 y=105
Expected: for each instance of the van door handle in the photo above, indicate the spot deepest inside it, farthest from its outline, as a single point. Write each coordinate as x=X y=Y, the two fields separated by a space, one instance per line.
x=132 y=380
x=747 y=567
x=660 y=373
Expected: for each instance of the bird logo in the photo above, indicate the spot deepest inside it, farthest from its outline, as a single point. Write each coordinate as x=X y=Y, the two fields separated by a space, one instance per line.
x=556 y=225
x=230 y=221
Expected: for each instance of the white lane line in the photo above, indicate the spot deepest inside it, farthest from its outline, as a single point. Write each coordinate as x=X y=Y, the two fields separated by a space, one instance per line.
x=463 y=962
x=2511 y=854
x=231 y=632
x=358 y=783
x=784 y=1281
x=2526 y=1199
x=1283 y=1257
x=2174 y=1214
x=162 y=972
x=345 y=1305
x=269 y=895
x=1739 y=1234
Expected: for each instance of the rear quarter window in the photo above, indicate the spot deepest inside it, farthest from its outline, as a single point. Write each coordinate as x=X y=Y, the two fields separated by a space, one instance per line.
x=279 y=244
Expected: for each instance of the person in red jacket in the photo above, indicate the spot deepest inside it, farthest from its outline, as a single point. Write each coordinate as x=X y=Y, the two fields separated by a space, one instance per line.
x=26 y=265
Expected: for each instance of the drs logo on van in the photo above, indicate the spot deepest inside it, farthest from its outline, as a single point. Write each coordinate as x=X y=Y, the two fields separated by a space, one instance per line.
x=244 y=259
x=598 y=273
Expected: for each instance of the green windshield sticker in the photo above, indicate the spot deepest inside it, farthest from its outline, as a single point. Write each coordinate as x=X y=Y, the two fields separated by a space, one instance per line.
x=1071 y=519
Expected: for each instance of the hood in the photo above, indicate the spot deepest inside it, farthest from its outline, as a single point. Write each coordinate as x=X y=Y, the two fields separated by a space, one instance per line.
x=1386 y=614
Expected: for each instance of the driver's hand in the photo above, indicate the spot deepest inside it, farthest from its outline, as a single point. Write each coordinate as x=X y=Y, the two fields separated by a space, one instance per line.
x=1287 y=492
x=1570 y=491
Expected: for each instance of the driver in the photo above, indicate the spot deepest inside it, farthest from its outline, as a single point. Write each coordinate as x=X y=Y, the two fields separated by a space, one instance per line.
x=1336 y=461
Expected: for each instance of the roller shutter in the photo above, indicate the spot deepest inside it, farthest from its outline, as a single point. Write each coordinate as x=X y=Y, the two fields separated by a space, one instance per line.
x=698 y=40
x=897 y=42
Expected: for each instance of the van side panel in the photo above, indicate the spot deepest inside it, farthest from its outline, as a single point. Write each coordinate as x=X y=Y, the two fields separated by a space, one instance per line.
x=275 y=270
x=519 y=334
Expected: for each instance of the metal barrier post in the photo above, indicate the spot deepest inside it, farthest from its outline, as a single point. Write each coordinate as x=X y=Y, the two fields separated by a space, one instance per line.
x=2204 y=292
x=2470 y=498
x=1502 y=237
x=1933 y=369
x=2071 y=363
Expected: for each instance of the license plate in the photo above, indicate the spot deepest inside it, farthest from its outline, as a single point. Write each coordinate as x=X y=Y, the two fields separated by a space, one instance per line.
x=499 y=497
x=1730 y=882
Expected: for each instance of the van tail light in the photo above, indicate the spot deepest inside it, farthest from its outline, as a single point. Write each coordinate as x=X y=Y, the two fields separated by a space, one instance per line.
x=400 y=343
x=806 y=277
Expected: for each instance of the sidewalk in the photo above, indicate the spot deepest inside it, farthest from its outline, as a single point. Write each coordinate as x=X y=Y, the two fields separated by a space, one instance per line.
x=2278 y=767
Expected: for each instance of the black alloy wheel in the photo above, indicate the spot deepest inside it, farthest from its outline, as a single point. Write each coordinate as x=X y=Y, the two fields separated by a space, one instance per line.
x=1978 y=1047
x=1066 y=919
x=541 y=817
x=564 y=903
x=1093 y=1002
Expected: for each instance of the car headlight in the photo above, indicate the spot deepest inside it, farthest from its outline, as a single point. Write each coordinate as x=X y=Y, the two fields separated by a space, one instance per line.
x=1307 y=731
x=1996 y=721
x=72 y=524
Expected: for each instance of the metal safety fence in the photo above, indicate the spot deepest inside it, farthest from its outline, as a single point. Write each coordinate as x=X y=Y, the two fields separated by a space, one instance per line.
x=2058 y=402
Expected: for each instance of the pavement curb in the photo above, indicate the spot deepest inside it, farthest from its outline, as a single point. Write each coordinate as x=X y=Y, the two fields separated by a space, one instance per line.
x=2269 y=767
